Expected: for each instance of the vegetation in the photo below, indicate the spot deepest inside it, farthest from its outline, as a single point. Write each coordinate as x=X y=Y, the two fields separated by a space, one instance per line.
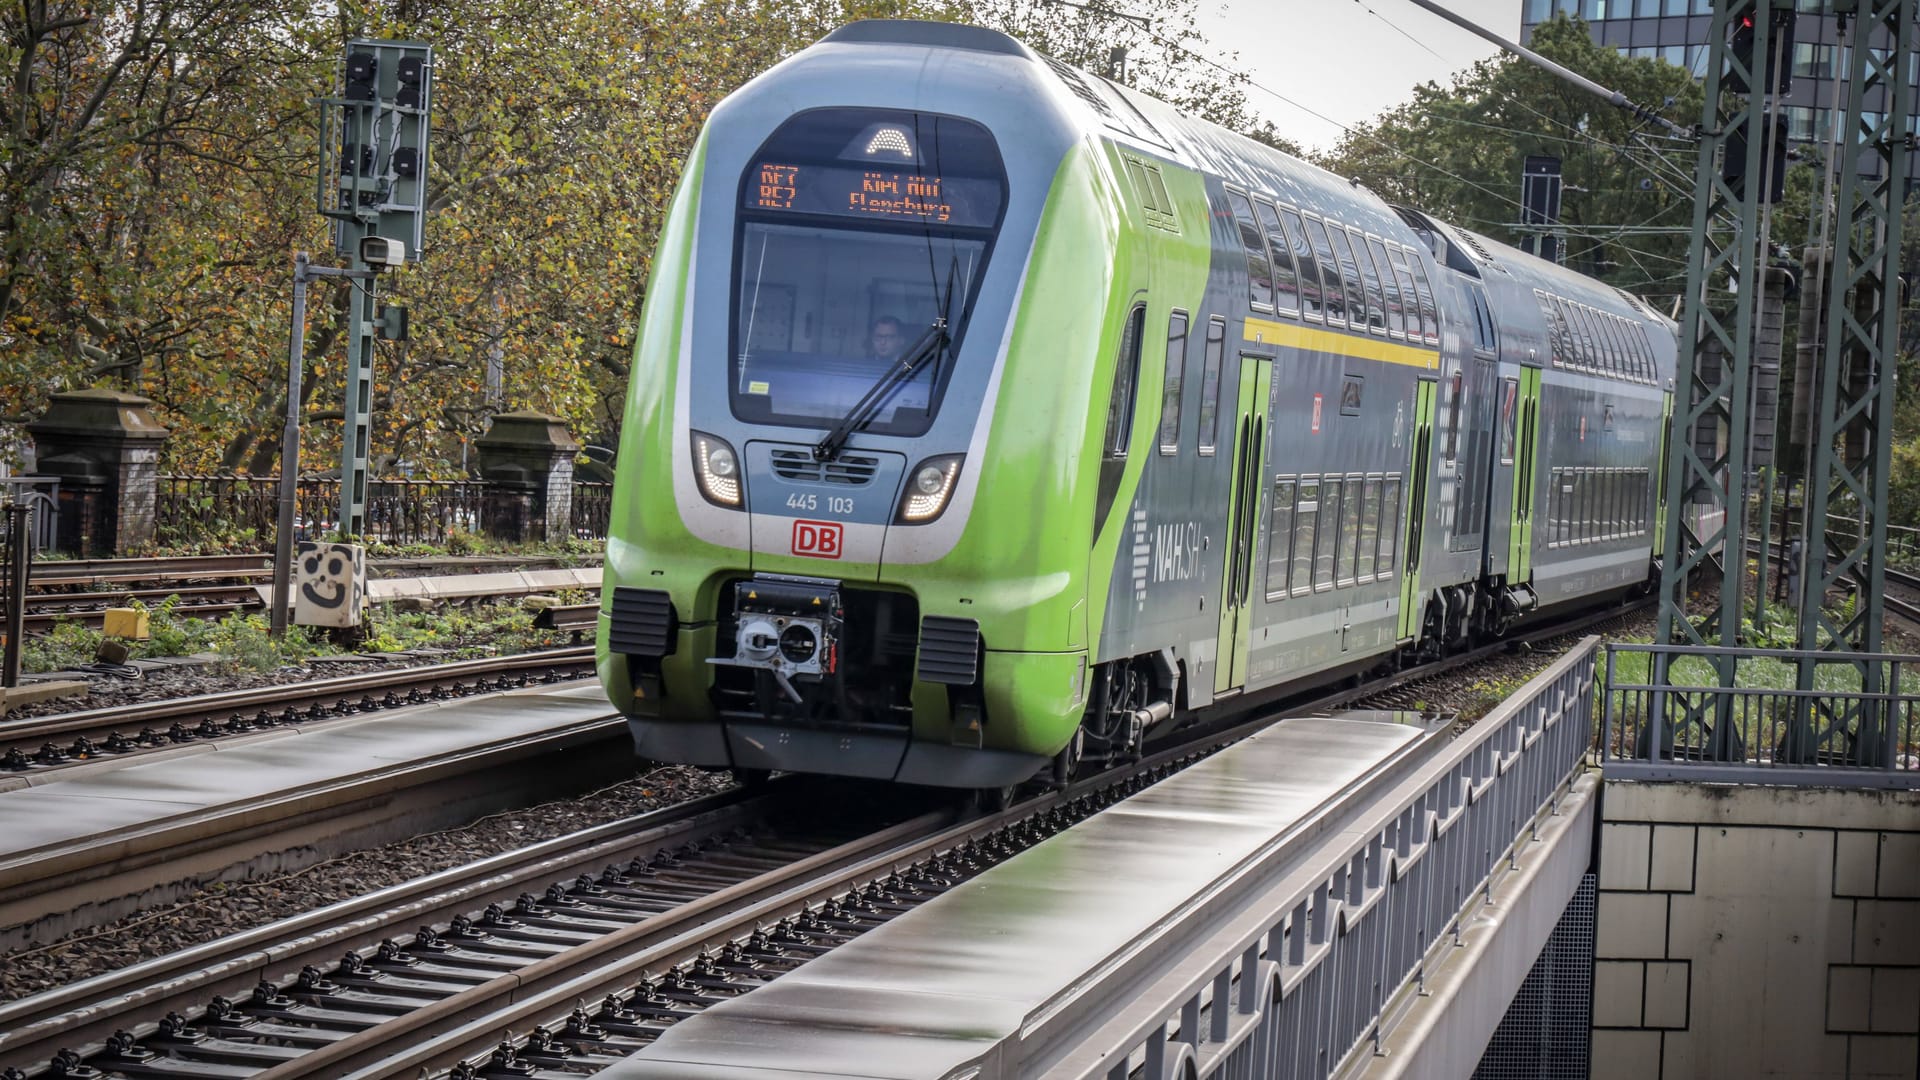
x=156 y=176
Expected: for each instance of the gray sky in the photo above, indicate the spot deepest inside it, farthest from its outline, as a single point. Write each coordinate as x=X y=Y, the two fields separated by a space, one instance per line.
x=1344 y=58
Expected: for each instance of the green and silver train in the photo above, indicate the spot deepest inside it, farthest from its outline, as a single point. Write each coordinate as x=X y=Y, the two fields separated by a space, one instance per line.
x=988 y=416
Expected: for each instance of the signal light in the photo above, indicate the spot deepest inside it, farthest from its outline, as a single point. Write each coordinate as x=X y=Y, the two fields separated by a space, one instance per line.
x=1773 y=160
x=1776 y=79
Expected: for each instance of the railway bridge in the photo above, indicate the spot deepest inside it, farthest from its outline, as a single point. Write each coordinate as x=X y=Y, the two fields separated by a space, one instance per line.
x=1371 y=896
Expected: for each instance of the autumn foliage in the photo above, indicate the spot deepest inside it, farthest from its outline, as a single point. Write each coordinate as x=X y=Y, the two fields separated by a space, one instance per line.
x=157 y=174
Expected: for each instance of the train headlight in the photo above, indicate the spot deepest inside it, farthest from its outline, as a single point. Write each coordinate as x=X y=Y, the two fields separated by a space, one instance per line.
x=716 y=469
x=929 y=487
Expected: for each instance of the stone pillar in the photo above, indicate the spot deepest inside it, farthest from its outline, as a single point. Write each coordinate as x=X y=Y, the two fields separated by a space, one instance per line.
x=105 y=448
x=527 y=459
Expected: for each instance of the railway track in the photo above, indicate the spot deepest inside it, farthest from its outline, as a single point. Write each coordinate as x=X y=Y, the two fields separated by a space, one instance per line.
x=578 y=974
x=1907 y=608
x=37 y=746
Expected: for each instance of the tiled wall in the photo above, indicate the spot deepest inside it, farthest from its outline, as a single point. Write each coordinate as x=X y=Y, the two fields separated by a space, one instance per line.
x=1748 y=931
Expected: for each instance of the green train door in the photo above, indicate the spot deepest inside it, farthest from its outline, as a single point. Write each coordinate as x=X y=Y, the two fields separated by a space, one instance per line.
x=1525 y=484
x=1245 y=499
x=1414 y=526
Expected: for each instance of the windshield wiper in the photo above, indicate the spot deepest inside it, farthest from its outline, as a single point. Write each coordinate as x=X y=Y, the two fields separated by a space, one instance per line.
x=926 y=347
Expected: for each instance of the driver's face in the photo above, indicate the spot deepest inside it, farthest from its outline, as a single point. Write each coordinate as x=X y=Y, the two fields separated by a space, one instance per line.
x=886 y=339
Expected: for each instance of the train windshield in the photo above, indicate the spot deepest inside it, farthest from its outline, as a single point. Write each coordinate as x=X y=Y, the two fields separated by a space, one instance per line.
x=859 y=229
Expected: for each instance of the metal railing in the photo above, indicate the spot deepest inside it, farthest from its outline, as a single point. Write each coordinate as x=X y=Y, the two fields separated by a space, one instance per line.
x=42 y=493
x=1302 y=979
x=194 y=509
x=592 y=509
x=1856 y=723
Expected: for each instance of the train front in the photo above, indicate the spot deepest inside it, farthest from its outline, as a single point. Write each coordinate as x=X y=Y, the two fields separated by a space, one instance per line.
x=826 y=555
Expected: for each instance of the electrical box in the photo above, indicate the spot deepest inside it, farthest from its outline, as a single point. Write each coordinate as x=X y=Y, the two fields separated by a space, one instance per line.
x=329 y=584
x=127 y=623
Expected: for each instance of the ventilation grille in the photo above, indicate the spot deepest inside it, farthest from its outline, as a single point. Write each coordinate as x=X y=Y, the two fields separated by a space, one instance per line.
x=640 y=623
x=949 y=650
x=1079 y=86
x=1473 y=244
x=1633 y=301
x=853 y=470
x=1547 y=1033
x=1152 y=190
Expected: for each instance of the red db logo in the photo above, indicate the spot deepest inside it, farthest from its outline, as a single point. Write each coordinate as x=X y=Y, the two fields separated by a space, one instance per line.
x=817 y=539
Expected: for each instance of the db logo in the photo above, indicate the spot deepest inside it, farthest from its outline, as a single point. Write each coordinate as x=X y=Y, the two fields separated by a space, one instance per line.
x=817 y=539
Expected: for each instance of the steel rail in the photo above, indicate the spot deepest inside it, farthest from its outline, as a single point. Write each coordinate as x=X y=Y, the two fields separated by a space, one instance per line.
x=91 y=1010
x=195 y=720
x=469 y=1022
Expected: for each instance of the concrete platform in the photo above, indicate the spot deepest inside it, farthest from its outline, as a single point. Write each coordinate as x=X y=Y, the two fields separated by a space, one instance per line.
x=61 y=834
x=937 y=989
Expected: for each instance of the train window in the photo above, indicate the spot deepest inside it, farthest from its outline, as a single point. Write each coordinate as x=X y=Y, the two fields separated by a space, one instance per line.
x=1429 y=315
x=1409 y=301
x=1577 y=324
x=1556 y=332
x=1484 y=342
x=1563 y=505
x=1610 y=345
x=1126 y=373
x=1617 y=352
x=1307 y=267
x=1306 y=513
x=1390 y=286
x=1259 y=268
x=1369 y=530
x=1575 y=358
x=1509 y=419
x=1453 y=416
x=1327 y=542
x=1389 y=527
x=1210 y=384
x=1176 y=373
x=1370 y=276
x=1346 y=560
x=1333 y=289
x=1590 y=334
x=1356 y=291
x=1286 y=287
x=1280 y=537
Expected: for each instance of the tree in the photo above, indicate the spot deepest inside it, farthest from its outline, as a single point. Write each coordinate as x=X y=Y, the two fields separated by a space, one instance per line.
x=1457 y=152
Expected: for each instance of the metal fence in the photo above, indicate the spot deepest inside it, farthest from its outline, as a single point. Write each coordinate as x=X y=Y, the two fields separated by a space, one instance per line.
x=1305 y=978
x=1831 y=719
x=592 y=509
x=193 y=509
x=42 y=493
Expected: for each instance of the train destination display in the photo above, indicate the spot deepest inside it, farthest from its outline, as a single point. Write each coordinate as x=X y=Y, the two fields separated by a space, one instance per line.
x=872 y=193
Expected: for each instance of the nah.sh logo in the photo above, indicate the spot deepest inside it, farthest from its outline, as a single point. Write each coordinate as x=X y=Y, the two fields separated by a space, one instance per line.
x=817 y=539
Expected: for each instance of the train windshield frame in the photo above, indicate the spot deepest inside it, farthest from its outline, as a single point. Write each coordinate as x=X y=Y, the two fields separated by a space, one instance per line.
x=855 y=229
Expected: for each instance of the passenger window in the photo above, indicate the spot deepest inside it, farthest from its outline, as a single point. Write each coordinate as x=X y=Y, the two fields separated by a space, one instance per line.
x=1176 y=372
x=1562 y=505
x=1369 y=530
x=1370 y=274
x=1509 y=419
x=1389 y=527
x=1350 y=271
x=1327 y=543
x=1429 y=315
x=1333 y=290
x=1348 y=557
x=1259 y=269
x=1409 y=302
x=1616 y=356
x=1306 y=513
x=1125 y=373
x=1280 y=537
x=1558 y=338
x=1395 y=314
x=1305 y=264
x=1210 y=383
x=1286 y=288
x=1453 y=416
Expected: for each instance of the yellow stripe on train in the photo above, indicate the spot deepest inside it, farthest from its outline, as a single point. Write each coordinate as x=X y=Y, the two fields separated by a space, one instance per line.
x=1294 y=335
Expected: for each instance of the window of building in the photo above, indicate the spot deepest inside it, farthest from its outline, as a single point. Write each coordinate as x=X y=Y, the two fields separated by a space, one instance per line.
x=1176 y=372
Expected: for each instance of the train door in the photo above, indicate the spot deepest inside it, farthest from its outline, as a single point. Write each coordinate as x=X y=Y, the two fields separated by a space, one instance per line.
x=1525 y=479
x=1414 y=538
x=1246 y=497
